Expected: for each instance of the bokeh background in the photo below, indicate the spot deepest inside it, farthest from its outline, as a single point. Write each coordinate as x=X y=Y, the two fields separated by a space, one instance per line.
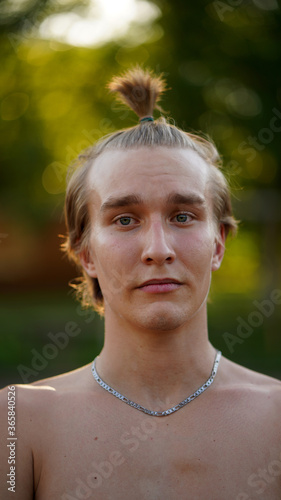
x=222 y=61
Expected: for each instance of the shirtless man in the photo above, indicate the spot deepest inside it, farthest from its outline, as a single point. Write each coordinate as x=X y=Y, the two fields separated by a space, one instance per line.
x=147 y=214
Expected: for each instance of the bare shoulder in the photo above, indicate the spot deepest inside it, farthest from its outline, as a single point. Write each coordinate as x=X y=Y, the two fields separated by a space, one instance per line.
x=75 y=381
x=33 y=401
x=238 y=373
x=261 y=392
x=251 y=401
x=29 y=413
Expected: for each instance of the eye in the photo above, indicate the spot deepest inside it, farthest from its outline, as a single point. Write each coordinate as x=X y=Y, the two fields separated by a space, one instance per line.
x=124 y=221
x=183 y=217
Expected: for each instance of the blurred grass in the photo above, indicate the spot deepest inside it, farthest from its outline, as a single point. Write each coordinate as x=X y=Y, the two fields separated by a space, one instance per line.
x=261 y=351
x=26 y=322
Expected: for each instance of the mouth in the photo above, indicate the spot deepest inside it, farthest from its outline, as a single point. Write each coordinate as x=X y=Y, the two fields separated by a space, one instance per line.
x=160 y=285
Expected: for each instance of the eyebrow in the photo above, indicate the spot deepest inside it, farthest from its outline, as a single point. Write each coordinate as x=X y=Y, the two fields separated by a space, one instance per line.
x=186 y=199
x=133 y=199
x=123 y=201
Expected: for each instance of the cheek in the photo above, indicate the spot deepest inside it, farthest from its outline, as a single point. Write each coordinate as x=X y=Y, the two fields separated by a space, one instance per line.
x=198 y=246
x=112 y=255
x=115 y=265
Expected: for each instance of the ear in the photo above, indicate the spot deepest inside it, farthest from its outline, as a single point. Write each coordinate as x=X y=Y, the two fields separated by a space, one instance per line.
x=219 y=248
x=88 y=264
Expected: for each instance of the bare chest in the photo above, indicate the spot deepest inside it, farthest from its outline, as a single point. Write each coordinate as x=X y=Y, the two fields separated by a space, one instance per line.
x=196 y=454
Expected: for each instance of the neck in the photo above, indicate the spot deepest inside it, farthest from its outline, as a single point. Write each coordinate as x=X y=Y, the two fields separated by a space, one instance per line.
x=156 y=369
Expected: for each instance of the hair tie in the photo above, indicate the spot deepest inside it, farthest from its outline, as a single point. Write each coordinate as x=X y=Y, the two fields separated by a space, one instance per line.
x=147 y=119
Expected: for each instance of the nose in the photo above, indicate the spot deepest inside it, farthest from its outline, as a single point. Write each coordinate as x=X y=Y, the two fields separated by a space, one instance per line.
x=157 y=246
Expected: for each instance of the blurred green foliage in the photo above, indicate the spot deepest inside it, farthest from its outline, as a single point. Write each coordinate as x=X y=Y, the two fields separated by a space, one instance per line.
x=223 y=65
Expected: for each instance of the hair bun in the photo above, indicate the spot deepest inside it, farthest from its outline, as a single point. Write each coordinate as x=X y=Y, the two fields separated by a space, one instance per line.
x=140 y=90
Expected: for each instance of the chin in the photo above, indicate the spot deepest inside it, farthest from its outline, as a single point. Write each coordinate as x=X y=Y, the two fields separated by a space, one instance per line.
x=162 y=323
x=167 y=316
x=163 y=320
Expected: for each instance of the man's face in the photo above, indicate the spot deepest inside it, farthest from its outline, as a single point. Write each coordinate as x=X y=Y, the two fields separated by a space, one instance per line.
x=152 y=219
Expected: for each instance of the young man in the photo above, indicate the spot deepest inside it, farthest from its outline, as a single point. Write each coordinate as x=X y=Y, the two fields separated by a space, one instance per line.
x=149 y=206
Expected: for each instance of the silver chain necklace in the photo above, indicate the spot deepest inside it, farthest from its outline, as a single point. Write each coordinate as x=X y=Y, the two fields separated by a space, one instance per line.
x=158 y=413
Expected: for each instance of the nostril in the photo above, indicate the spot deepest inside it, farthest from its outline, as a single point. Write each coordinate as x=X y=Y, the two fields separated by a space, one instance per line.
x=167 y=259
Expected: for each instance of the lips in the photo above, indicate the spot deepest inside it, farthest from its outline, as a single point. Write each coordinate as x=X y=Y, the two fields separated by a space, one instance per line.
x=160 y=281
x=160 y=285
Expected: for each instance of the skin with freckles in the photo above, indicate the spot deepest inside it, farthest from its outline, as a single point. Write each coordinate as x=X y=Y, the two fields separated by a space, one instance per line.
x=153 y=245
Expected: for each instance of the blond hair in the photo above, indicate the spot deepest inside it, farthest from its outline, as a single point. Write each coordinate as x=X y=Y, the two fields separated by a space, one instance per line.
x=140 y=90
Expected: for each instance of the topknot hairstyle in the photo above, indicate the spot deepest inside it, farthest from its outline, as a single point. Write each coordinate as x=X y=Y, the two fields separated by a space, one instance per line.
x=140 y=90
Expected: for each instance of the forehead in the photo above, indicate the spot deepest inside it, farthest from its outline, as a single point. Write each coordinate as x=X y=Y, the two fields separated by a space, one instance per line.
x=151 y=172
